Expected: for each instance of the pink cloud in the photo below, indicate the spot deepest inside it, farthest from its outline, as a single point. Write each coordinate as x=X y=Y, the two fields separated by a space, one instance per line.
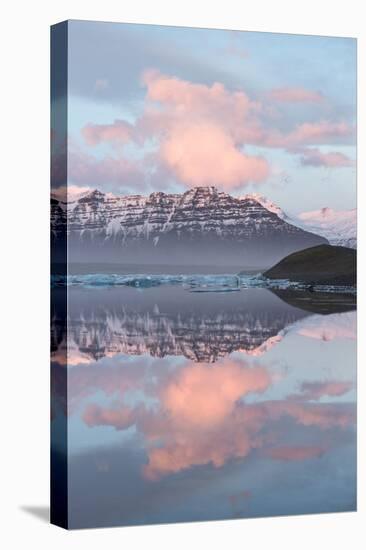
x=322 y=415
x=198 y=100
x=295 y=453
x=97 y=416
x=314 y=157
x=296 y=95
x=84 y=169
x=235 y=113
x=205 y=154
x=200 y=132
x=317 y=390
x=204 y=395
x=309 y=133
x=201 y=417
x=179 y=439
x=119 y=132
x=319 y=132
x=101 y=84
x=111 y=380
x=171 y=102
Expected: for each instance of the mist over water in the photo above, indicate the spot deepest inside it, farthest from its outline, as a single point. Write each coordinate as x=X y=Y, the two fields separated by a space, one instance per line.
x=157 y=269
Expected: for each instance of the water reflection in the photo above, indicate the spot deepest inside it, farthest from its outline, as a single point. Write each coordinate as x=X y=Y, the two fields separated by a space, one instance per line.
x=186 y=408
x=170 y=321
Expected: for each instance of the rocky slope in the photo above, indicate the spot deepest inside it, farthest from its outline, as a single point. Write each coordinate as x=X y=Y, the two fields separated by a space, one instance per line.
x=200 y=226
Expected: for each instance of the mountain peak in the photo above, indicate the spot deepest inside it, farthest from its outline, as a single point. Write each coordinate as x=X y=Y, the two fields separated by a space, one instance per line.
x=202 y=190
x=96 y=194
x=327 y=212
x=202 y=226
x=266 y=203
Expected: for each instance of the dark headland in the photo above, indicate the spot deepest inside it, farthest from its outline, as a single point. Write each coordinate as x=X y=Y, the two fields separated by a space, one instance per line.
x=318 y=265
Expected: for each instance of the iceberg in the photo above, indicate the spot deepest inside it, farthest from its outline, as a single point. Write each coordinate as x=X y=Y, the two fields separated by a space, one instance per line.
x=193 y=283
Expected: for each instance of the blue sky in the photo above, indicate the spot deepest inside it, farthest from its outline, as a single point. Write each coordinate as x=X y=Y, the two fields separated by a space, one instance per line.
x=281 y=124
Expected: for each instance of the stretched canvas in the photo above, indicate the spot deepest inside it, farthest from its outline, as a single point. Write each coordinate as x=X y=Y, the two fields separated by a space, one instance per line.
x=203 y=236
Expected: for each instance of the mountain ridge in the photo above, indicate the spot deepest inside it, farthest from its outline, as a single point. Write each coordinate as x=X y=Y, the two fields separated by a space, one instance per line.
x=200 y=225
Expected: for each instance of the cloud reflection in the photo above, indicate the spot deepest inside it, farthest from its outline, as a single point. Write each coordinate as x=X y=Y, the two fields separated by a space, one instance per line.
x=203 y=417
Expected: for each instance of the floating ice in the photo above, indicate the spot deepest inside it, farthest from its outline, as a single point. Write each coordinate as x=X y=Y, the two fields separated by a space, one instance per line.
x=194 y=282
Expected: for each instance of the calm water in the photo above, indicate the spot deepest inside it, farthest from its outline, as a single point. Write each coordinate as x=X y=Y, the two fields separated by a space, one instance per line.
x=192 y=406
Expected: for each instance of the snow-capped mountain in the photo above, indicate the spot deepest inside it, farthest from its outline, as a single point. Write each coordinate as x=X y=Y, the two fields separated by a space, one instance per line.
x=202 y=226
x=267 y=204
x=339 y=227
x=161 y=323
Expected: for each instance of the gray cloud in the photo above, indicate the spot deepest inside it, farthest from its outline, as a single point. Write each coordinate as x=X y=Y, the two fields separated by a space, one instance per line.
x=118 y=53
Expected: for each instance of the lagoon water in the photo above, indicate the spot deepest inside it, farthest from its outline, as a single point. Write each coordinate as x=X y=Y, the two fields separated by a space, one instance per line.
x=190 y=406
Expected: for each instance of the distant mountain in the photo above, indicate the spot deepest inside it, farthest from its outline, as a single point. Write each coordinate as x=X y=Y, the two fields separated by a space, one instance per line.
x=338 y=227
x=202 y=226
x=325 y=264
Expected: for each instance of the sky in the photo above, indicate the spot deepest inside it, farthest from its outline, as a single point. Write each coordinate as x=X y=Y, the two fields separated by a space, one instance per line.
x=153 y=108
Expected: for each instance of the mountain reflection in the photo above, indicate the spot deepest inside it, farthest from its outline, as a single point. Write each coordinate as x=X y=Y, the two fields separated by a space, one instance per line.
x=234 y=396
x=169 y=322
